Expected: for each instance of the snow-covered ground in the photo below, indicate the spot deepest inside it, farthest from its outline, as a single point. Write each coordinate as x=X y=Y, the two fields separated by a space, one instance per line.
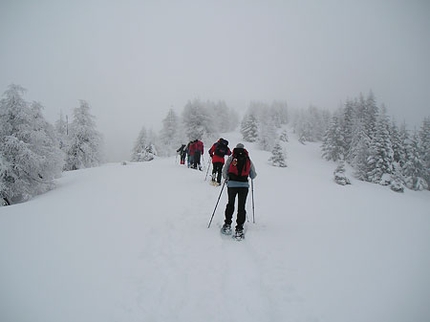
x=130 y=243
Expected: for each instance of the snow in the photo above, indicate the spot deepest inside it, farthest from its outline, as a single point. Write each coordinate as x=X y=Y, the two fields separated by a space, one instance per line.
x=131 y=243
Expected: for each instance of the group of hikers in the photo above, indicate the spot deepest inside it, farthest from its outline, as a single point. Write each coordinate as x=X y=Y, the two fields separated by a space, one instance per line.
x=235 y=170
x=193 y=152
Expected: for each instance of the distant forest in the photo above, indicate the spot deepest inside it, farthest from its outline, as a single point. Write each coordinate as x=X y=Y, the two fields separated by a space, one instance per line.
x=34 y=152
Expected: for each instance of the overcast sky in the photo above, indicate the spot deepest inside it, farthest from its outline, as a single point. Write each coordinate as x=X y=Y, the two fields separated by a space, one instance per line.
x=134 y=60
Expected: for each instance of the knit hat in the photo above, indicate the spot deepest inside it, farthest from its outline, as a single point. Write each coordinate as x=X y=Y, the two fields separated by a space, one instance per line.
x=240 y=146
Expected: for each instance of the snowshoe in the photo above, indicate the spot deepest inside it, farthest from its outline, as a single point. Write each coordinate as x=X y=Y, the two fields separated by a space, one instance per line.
x=226 y=229
x=239 y=235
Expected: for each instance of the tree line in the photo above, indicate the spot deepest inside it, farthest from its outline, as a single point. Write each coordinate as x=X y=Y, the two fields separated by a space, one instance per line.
x=33 y=152
x=380 y=151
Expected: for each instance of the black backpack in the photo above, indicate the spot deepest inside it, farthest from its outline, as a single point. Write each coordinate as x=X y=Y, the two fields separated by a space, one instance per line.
x=221 y=148
x=240 y=165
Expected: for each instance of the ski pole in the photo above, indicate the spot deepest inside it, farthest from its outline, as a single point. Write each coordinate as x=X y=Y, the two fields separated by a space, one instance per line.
x=219 y=197
x=207 y=171
x=252 y=195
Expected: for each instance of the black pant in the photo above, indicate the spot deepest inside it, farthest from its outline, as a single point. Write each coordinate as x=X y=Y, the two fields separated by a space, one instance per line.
x=217 y=171
x=197 y=155
x=241 y=193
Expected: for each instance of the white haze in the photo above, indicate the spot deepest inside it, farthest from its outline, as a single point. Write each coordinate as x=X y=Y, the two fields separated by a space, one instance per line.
x=134 y=60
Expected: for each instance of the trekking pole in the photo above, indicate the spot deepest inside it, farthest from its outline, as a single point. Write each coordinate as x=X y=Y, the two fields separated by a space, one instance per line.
x=219 y=197
x=252 y=195
x=207 y=171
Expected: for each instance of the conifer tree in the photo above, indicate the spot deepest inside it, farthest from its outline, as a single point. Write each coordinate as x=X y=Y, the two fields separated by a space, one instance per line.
x=170 y=136
x=381 y=160
x=339 y=174
x=414 y=170
x=144 y=148
x=85 y=142
x=278 y=158
x=30 y=159
x=424 y=136
x=332 y=147
x=249 y=128
x=197 y=121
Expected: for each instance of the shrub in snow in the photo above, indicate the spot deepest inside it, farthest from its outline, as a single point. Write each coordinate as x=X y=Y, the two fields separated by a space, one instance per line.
x=417 y=183
x=397 y=186
x=385 y=180
x=339 y=175
x=278 y=156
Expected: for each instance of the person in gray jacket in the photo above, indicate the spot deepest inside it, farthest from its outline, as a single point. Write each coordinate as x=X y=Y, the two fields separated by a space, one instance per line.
x=236 y=171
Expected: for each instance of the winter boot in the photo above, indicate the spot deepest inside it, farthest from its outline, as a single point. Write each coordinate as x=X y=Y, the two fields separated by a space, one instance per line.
x=226 y=229
x=239 y=234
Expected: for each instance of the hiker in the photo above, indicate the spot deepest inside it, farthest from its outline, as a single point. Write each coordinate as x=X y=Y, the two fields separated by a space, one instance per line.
x=190 y=154
x=236 y=171
x=198 y=149
x=217 y=152
x=182 y=151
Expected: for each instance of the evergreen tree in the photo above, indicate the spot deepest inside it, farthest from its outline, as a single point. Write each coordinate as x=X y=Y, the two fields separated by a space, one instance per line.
x=197 y=121
x=371 y=112
x=278 y=158
x=381 y=159
x=397 y=144
x=332 y=147
x=267 y=133
x=397 y=180
x=249 y=128
x=284 y=136
x=349 y=125
x=85 y=142
x=170 y=136
x=223 y=118
x=62 y=130
x=339 y=174
x=424 y=135
x=30 y=159
x=279 y=110
x=414 y=170
x=360 y=155
x=144 y=148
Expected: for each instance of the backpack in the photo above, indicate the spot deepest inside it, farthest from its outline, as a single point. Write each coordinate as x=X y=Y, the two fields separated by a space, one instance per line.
x=221 y=148
x=240 y=165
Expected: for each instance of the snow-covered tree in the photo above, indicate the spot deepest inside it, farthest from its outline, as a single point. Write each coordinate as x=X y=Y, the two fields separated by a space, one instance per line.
x=397 y=180
x=144 y=148
x=223 y=118
x=170 y=134
x=197 y=121
x=424 y=135
x=62 y=130
x=333 y=142
x=278 y=157
x=339 y=174
x=30 y=158
x=85 y=142
x=414 y=170
x=267 y=133
x=284 y=136
x=249 y=128
x=381 y=159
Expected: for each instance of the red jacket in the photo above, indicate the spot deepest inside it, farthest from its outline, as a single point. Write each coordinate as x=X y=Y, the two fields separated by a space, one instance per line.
x=217 y=158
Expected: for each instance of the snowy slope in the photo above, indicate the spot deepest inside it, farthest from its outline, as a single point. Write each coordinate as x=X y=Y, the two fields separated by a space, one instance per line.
x=130 y=243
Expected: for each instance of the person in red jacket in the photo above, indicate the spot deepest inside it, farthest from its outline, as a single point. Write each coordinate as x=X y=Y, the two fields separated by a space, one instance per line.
x=217 y=152
x=198 y=152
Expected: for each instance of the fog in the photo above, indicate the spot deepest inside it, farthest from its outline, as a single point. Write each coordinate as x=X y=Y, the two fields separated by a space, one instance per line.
x=134 y=60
